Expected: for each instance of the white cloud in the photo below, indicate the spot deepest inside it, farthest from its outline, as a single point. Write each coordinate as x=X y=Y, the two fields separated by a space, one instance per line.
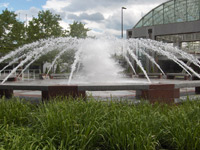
x=85 y=16
x=4 y=5
x=64 y=25
x=26 y=15
x=102 y=16
x=56 y=5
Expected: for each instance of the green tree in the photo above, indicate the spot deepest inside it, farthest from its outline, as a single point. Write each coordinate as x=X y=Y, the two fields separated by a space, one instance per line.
x=12 y=32
x=49 y=57
x=77 y=29
x=44 y=26
x=57 y=68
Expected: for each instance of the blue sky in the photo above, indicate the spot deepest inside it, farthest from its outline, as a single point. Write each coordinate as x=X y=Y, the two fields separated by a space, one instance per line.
x=101 y=16
x=22 y=4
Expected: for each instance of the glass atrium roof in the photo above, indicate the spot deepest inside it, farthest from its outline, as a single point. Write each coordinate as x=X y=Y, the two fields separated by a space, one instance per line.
x=172 y=11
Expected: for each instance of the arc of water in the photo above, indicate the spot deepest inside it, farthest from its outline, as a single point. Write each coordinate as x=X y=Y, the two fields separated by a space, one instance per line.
x=29 y=56
x=13 y=53
x=175 y=50
x=55 y=59
x=127 y=60
x=30 y=46
x=41 y=49
x=26 y=67
x=167 y=54
x=58 y=56
x=189 y=68
x=21 y=49
x=175 y=59
x=12 y=62
x=188 y=57
x=183 y=64
x=151 y=59
x=19 y=65
x=73 y=67
x=14 y=70
x=39 y=54
x=138 y=63
x=171 y=56
x=78 y=68
x=180 y=63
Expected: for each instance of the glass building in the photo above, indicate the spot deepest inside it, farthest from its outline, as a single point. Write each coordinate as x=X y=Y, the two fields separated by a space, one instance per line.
x=175 y=21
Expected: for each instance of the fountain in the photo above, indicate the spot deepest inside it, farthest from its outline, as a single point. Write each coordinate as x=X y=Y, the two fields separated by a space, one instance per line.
x=95 y=60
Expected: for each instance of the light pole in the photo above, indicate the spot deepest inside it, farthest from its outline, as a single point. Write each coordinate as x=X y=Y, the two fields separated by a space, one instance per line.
x=122 y=21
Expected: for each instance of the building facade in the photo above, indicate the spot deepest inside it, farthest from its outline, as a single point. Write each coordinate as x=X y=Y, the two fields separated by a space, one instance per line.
x=175 y=21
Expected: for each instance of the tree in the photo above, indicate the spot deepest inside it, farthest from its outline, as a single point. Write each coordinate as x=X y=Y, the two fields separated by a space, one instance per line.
x=57 y=69
x=12 y=32
x=46 y=25
x=77 y=29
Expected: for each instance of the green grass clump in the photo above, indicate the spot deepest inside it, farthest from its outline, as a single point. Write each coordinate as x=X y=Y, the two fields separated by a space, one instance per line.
x=14 y=111
x=78 y=124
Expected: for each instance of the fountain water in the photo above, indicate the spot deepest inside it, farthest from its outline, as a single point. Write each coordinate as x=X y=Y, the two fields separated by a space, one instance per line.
x=94 y=57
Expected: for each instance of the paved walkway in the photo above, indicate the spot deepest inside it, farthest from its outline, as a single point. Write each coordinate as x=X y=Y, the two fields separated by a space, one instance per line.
x=101 y=95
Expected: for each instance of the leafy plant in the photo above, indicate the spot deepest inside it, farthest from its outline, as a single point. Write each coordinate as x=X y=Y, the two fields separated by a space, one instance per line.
x=78 y=124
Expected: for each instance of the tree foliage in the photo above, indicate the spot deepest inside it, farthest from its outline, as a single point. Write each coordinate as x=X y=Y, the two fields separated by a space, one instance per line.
x=12 y=32
x=44 y=26
x=77 y=29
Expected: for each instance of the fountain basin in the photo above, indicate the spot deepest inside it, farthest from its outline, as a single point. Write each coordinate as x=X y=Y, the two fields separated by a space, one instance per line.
x=165 y=91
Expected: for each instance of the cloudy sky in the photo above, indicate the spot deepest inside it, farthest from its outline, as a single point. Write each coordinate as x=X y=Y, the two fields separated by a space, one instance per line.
x=101 y=16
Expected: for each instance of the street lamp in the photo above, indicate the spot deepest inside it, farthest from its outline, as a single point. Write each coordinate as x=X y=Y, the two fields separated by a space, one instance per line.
x=122 y=20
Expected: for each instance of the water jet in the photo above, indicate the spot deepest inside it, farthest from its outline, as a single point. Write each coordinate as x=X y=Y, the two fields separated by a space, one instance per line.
x=95 y=64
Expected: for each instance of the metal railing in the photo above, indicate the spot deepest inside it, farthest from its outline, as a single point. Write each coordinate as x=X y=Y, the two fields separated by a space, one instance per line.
x=29 y=74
